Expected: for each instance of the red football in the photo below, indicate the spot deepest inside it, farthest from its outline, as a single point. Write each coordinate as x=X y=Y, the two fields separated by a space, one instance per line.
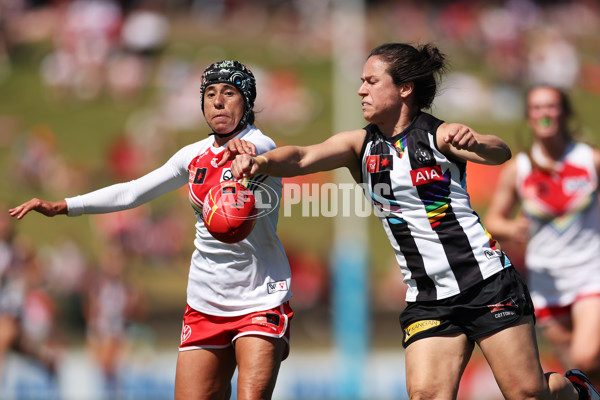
x=229 y=212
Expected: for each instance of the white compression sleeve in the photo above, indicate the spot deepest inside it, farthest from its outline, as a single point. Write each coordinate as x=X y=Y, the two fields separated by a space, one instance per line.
x=123 y=196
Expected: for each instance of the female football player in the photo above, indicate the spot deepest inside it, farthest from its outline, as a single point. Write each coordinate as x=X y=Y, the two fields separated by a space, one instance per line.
x=462 y=289
x=237 y=312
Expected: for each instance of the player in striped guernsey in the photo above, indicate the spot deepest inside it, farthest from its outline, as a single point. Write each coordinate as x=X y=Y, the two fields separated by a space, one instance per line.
x=462 y=289
x=237 y=293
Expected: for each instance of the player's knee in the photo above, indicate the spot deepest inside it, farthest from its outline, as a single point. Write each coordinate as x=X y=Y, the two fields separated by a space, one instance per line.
x=526 y=389
x=255 y=390
x=560 y=387
x=429 y=393
x=528 y=393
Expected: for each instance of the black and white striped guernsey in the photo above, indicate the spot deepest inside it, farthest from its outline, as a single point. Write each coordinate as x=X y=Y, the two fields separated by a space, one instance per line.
x=421 y=199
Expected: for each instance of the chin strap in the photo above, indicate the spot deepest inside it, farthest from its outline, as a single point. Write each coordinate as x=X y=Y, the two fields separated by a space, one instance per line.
x=224 y=135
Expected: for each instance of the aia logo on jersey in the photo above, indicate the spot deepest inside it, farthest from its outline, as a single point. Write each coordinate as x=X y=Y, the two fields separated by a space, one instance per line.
x=380 y=163
x=425 y=175
x=199 y=176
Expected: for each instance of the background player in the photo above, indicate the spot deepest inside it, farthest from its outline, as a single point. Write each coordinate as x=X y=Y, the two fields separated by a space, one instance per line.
x=555 y=184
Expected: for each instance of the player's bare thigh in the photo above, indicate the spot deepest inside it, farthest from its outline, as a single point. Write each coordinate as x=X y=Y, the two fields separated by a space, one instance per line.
x=513 y=357
x=204 y=374
x=259 y=359
x=434 y=366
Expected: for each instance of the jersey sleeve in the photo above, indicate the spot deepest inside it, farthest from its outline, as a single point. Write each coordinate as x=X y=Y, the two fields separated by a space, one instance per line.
x=122 y=196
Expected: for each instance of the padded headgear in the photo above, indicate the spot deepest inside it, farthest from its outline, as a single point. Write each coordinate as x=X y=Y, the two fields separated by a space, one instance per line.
x=236 y=74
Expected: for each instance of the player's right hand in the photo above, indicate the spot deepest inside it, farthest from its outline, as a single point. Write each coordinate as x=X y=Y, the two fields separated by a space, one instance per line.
x=244 y=166
x=47 y=208
x=235 y=147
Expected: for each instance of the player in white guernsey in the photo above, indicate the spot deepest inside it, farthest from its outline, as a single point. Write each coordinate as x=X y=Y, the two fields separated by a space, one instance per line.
x=462 y=289
x=555 y=184
x=237 y=313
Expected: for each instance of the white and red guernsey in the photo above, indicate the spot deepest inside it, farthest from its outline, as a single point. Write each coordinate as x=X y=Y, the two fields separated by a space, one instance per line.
x=563 y=251
x=421 y=199
x=224 y=279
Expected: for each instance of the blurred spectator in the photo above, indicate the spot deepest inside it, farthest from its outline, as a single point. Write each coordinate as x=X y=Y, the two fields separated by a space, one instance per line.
x=125 y=159
x=88 y=33
x=414 y=15
x=66 y=270
x=34 y=154
x=144 y=34
x=39 y=336
x=122 y=227
x=456 y=22
x=146 y=29
x=112 y=304
x=553 y=60
x=178 y=105
x=12 y=287
x=27 y=312
x=5 y=64
x=282 y=91
x=142 y=233
x=209 y=12
x=502 y=32
x=464 y=95
x=126 y=76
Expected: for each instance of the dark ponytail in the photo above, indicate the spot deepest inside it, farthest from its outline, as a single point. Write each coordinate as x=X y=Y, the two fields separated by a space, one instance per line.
x=422 y=65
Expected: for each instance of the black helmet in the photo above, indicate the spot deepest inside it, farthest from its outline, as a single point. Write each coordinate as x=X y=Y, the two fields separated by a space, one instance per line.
x=236 y=74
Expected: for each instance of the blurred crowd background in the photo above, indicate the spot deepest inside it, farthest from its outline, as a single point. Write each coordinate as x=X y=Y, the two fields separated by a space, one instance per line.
x=94 y=92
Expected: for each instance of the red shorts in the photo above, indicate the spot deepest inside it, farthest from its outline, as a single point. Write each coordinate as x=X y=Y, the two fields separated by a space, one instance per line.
x=550 y=313
x=204 y=331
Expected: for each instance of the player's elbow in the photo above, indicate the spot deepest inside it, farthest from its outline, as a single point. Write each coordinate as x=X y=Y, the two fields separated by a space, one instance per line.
x=501 y=155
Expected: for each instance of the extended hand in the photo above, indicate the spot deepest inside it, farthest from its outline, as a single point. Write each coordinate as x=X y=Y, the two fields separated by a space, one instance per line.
x=235 y=147
x=244 y=166
x=461 y=137
x=48 y=208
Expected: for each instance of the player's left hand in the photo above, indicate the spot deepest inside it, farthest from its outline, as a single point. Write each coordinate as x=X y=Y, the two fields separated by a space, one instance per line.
x=235 y=147
x=461 y=137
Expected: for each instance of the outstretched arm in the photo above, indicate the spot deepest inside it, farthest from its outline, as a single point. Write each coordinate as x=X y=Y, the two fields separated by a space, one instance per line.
x=121 y=196
x=48 y=208
x=340 y=150
x=462 y=142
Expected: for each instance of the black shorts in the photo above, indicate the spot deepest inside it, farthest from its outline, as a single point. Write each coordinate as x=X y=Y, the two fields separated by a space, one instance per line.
x=497 y=303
